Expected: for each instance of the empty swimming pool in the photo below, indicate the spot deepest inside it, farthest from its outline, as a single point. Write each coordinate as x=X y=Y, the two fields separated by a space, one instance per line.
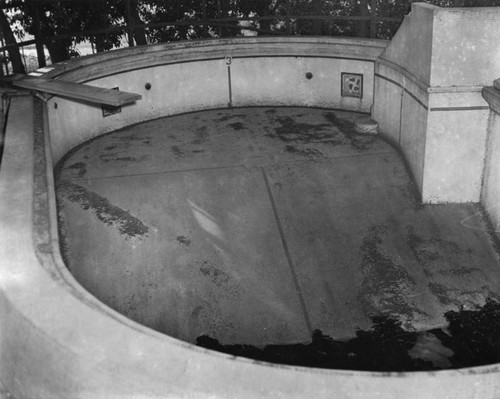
x=231 y=227
x=269 y=226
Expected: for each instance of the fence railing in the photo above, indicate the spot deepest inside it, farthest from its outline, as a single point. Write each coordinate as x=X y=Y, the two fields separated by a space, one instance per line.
x=368 y=24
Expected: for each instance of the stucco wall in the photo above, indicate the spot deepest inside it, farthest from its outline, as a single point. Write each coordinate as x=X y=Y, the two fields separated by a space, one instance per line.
x=439 y=61
x=411 y=47
x=465 y=51
x=490 y=195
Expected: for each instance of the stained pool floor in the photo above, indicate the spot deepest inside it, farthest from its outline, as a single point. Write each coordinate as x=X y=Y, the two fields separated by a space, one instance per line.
x=271 y=226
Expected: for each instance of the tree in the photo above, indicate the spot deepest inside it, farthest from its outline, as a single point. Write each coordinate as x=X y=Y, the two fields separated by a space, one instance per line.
x=15 y=56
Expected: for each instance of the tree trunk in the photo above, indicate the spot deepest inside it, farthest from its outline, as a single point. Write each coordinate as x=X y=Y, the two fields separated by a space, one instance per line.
x=223 y=13
x=363 y=11
x=139 y=33
x=15 y=56
x=58 y=50
x=316 y=28
x=97 y=12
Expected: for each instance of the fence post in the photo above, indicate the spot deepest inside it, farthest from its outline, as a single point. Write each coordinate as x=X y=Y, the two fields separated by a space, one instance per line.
x=373 y=19
x=40 y=53
x=288 y=24
x=204 y=12
x=130 y=22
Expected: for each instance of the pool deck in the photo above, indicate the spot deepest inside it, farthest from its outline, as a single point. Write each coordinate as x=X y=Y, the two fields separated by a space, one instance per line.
x=260 y=225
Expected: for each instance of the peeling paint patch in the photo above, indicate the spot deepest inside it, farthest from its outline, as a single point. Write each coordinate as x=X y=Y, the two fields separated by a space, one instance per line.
x=201 y=135
x=291 y=131
x=229 y=117
x=177 y=151
x=103 y=210
x=216 y=276
x=308 y=152
x=237 y=125
x=183 y=241
x=452 y=277
x=386 y=285
x=80 y=167
x=226 y=286
x=442 y=292
x=128 y=159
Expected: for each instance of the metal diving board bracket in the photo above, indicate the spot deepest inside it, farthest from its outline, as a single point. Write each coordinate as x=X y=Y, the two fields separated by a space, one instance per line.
x=78 y=91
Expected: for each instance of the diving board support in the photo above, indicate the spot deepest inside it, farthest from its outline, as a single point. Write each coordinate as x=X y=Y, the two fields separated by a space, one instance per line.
x=78 y=91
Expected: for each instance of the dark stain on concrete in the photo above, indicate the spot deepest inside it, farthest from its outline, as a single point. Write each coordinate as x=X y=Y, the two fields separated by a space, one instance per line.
x=291 y=131
x=108 y=156
x=308 y=152
x=134 y=137
x=434 y=251
x=386 y=284
x=471 y=338
x=201 y=135
x=215 y=275
x=461 y=272
x=229 y=117
x=226 y=287
x=80 y=167
x=237 y=126
x=129 y=159
x=114 y=158
x=183 y=241
x=361 y=142
x=177 y=151
x=196 y=312
x=104 y=211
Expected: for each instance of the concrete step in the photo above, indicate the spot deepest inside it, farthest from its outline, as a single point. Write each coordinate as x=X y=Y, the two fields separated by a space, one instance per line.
x=365 y=125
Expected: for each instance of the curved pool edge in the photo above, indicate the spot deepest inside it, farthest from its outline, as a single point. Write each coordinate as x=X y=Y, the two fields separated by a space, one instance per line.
x=56 y=340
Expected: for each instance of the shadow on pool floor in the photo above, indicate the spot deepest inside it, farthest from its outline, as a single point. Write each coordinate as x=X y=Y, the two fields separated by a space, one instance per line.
x=472 y=338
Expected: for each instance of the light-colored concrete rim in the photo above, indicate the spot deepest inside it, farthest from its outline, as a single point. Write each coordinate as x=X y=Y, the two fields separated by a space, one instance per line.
x=97 y=352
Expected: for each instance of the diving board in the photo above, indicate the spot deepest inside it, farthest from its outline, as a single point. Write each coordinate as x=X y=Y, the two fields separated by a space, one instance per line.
x=78 y=91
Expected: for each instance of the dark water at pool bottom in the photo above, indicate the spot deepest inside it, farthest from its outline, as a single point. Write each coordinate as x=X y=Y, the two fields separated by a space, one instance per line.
x=472 y=338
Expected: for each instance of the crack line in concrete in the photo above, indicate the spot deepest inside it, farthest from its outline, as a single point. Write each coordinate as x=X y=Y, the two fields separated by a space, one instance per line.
x=287 y=253
x=87 y=178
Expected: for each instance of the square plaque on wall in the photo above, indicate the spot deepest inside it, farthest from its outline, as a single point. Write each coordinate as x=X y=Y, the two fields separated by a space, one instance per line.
x=352 y=85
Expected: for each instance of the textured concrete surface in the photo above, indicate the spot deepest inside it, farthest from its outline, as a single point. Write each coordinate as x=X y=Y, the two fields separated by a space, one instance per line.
x=490 y=194
x=260 y=225
x=438 y=62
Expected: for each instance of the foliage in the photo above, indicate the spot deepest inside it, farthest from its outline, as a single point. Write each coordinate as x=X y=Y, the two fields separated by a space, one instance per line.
x=71 y=20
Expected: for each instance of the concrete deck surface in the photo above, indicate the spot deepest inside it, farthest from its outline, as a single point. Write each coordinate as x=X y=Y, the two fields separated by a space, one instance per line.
x=260 y=225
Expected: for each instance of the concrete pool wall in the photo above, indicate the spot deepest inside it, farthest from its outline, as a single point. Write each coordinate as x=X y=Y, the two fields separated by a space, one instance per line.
x=196 y=76
x=57 y=340
x=428 y=84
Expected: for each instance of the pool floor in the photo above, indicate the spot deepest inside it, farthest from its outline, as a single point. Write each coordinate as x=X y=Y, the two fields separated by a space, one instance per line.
x=261 y=226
